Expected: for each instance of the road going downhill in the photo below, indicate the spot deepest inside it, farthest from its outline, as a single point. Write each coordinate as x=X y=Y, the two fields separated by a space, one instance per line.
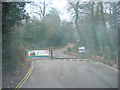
x=49 y=73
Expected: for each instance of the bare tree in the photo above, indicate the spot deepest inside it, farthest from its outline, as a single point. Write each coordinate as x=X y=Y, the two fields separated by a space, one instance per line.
x=78 y=9
x=118 y=11
x=40 y=7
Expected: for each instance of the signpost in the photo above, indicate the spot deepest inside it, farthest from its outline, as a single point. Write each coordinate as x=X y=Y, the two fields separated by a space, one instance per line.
x=82 y=49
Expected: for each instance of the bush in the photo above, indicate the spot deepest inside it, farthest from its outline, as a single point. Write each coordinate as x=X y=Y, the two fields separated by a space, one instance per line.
x=68 y=49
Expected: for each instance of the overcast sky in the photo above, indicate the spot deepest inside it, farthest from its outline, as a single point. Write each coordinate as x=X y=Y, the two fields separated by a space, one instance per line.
x=60 y=5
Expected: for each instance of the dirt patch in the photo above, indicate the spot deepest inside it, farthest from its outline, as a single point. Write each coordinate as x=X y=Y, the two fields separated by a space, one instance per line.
x=69 y=53
x=11 y=79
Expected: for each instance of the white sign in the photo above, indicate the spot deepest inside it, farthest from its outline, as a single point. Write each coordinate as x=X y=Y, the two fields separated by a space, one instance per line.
x=82 y=49
x=38 y=53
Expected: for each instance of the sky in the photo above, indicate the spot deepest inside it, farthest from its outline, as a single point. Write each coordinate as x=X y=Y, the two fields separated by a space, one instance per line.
x=60 y=5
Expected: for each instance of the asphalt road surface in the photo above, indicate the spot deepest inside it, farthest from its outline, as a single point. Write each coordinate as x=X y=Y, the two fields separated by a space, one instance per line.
x=49 y=73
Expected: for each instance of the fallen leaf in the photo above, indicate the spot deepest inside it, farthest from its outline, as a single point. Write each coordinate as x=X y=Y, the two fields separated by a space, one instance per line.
x=11 y=81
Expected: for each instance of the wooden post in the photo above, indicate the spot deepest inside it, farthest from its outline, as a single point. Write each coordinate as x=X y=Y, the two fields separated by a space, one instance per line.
x=109 y=57
x=51 y=54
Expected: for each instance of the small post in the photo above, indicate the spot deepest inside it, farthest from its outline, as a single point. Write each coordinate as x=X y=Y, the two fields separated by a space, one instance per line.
x=25 y=53
x=68 y=49
x=109 y=57
x=51 y=54
x=117 y=59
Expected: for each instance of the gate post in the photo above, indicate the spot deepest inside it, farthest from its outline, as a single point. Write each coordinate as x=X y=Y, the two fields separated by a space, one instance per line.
x=51 y=54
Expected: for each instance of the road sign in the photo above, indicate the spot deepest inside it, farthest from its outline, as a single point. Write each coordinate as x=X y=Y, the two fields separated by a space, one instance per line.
x=82 y=49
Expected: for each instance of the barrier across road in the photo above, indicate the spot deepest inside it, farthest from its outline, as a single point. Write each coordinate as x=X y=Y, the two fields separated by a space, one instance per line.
x=39 y=53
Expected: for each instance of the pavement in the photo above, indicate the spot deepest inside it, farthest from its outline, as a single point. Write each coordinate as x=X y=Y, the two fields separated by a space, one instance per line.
x=48 y=73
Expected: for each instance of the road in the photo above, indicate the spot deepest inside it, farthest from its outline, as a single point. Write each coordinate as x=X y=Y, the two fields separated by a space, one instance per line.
x=60 y=52
x=49 y=73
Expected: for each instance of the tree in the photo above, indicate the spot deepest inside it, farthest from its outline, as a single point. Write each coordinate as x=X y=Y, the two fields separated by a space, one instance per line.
x=75 y=7
x=78 y=11
x=40 y=7
x=96 y=25
x=69 y=33
x=54 y=33
x=118 y=13
x=13 y=14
